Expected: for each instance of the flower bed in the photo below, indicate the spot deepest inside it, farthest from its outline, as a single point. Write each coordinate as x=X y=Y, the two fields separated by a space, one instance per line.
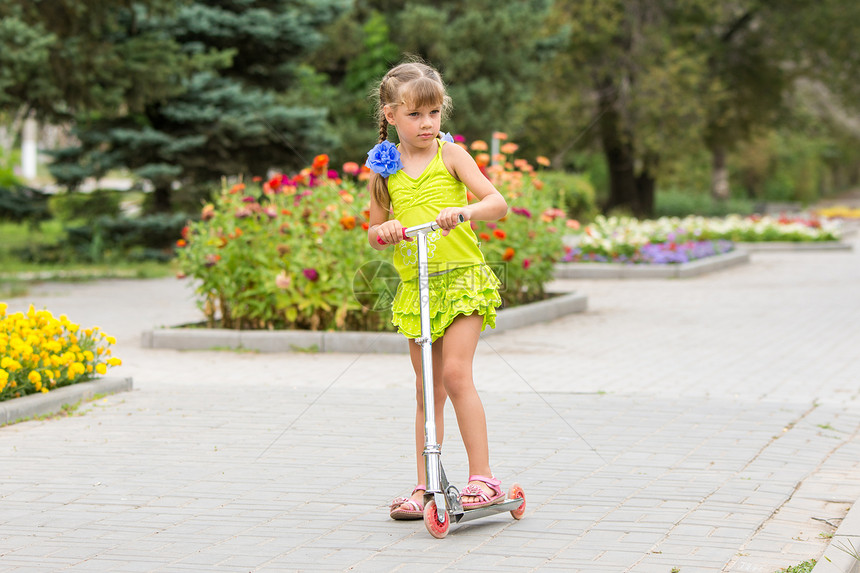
x=40 y=352
x=839 y=212
x=292 y=252
x=675 y=240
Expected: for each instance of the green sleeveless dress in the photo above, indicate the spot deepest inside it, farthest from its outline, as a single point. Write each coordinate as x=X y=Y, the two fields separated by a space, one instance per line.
x=460 y=280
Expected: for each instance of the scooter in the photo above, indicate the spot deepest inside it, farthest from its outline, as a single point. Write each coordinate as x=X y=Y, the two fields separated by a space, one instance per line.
x=441 y=499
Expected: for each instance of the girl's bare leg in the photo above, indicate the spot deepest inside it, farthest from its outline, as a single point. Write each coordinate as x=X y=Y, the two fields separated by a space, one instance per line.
x=458 y=352
x=439 y=398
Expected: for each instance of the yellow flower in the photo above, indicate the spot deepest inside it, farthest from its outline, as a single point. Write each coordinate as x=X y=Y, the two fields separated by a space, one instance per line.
x=101 y=368
x=114 y=361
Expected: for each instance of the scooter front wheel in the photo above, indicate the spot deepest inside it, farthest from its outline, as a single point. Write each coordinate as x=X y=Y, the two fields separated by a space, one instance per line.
x=517 y=492
x=437 y=529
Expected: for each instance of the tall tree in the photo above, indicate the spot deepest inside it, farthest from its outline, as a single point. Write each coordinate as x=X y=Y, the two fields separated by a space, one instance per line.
x=758 y=50
x=639 y=65
x=225 y=122
x=59 y=57
x=488 y=52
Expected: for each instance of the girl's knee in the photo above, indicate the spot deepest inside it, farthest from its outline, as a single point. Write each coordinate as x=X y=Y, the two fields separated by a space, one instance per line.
x=458 y=380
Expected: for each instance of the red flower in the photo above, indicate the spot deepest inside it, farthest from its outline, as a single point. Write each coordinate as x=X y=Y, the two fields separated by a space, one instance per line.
x=484 y=237
x=499 y=234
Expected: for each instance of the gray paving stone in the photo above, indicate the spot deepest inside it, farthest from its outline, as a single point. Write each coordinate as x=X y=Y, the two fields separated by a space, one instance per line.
x=676 y=416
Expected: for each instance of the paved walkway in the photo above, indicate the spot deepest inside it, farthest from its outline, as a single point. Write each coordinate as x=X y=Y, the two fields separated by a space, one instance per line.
x=708 y=424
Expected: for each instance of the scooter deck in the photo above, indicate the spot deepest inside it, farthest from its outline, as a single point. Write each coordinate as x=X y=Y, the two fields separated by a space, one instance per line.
x=470 y=514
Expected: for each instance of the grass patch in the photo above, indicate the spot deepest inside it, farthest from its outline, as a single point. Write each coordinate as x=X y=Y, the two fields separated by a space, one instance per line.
x=804 y=567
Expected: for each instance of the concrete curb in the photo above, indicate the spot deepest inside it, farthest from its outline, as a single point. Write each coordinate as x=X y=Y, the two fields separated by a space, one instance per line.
x=835 y=560
x=350 y=342
x=633 y=271
x=42 y=404
x=772 y=246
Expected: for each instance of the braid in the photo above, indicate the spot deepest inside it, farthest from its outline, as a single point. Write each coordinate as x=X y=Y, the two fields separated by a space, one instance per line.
x=383 y=129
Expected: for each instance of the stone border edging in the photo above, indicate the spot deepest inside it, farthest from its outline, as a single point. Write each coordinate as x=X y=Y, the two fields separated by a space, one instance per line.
x=347 y=342
x=40 y=404
x=634 y=271
x=834 y=559
x=772 y=246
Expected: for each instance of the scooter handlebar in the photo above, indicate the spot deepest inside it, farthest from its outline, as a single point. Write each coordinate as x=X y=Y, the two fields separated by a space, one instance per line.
x=417 y=229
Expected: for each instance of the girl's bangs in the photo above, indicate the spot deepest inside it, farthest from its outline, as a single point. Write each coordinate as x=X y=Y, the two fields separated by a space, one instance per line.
x=423 y=92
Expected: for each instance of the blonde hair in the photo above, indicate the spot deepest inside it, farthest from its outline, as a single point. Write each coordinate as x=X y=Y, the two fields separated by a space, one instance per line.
x=414 y=84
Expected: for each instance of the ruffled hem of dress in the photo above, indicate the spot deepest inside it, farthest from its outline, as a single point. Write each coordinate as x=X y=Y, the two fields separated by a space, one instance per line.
x=460 y=292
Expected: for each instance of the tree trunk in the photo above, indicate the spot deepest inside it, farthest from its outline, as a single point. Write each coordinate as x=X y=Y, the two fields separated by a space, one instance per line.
x=645 y=188
x=161 y=199
x=719 y=175
x=619 y=154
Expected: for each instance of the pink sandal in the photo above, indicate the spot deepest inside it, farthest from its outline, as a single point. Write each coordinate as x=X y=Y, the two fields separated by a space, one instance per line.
x=405 y=508
x=484 y=499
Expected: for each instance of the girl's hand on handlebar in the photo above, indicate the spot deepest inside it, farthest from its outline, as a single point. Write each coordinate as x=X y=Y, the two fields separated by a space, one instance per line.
x=450 y=217
x=390 y=233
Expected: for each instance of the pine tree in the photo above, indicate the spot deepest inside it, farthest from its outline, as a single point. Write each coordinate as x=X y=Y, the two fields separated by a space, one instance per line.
x=225 y=122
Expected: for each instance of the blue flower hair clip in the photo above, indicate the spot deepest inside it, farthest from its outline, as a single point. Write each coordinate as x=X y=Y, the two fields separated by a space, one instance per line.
x=446 y=137
x=384 y=159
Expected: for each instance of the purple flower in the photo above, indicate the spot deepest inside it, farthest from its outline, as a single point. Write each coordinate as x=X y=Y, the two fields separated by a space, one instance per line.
x=522 y=211
x=311 y=274
x=384 y=159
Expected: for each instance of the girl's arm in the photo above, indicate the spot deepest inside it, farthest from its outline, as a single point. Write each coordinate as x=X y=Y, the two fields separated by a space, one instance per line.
x=491 y=206
x=383 y=228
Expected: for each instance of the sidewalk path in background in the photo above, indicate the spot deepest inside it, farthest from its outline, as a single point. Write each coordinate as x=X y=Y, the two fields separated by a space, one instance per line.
x=707 y=424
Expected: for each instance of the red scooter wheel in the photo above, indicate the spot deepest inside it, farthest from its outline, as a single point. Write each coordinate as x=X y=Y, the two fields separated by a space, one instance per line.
x=516 y=492
x=437 y=529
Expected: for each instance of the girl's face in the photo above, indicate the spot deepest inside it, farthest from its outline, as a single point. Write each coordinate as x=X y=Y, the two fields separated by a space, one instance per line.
x=416 y=126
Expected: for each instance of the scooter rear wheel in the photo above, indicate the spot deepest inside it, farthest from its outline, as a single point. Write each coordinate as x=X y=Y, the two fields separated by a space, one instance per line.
x=516 y=492
x=437 y=529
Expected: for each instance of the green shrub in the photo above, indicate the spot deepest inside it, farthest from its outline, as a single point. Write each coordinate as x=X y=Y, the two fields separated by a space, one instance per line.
x=573 y=192
x=112 y=239
x=71 y=206
x=19 y=203
x=671 y=203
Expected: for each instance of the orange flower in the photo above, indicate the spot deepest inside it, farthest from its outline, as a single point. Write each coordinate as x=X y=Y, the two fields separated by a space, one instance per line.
x=320 y=161
x=479 y=145
x=499 y=234
x=482 y=159
x=347 y=198
x=347 y=222
x=181 y=243
x=509 y=254
x=573 y=224
x=541 y=160
x=351 y=168
x=470 y=196
x=484 y=237
x=509 y=148
x=236 y=188
x=500 y=135
x=365 y=225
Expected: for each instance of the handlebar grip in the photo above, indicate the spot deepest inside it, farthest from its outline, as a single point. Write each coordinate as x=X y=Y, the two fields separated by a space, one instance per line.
x=380 y=241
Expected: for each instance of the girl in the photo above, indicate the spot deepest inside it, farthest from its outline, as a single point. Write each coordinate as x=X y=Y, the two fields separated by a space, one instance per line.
x=423 y=179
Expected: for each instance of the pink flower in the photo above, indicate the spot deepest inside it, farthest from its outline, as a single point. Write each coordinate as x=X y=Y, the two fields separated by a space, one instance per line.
x=351 y=168
x=526 y=263
x=311 y=274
